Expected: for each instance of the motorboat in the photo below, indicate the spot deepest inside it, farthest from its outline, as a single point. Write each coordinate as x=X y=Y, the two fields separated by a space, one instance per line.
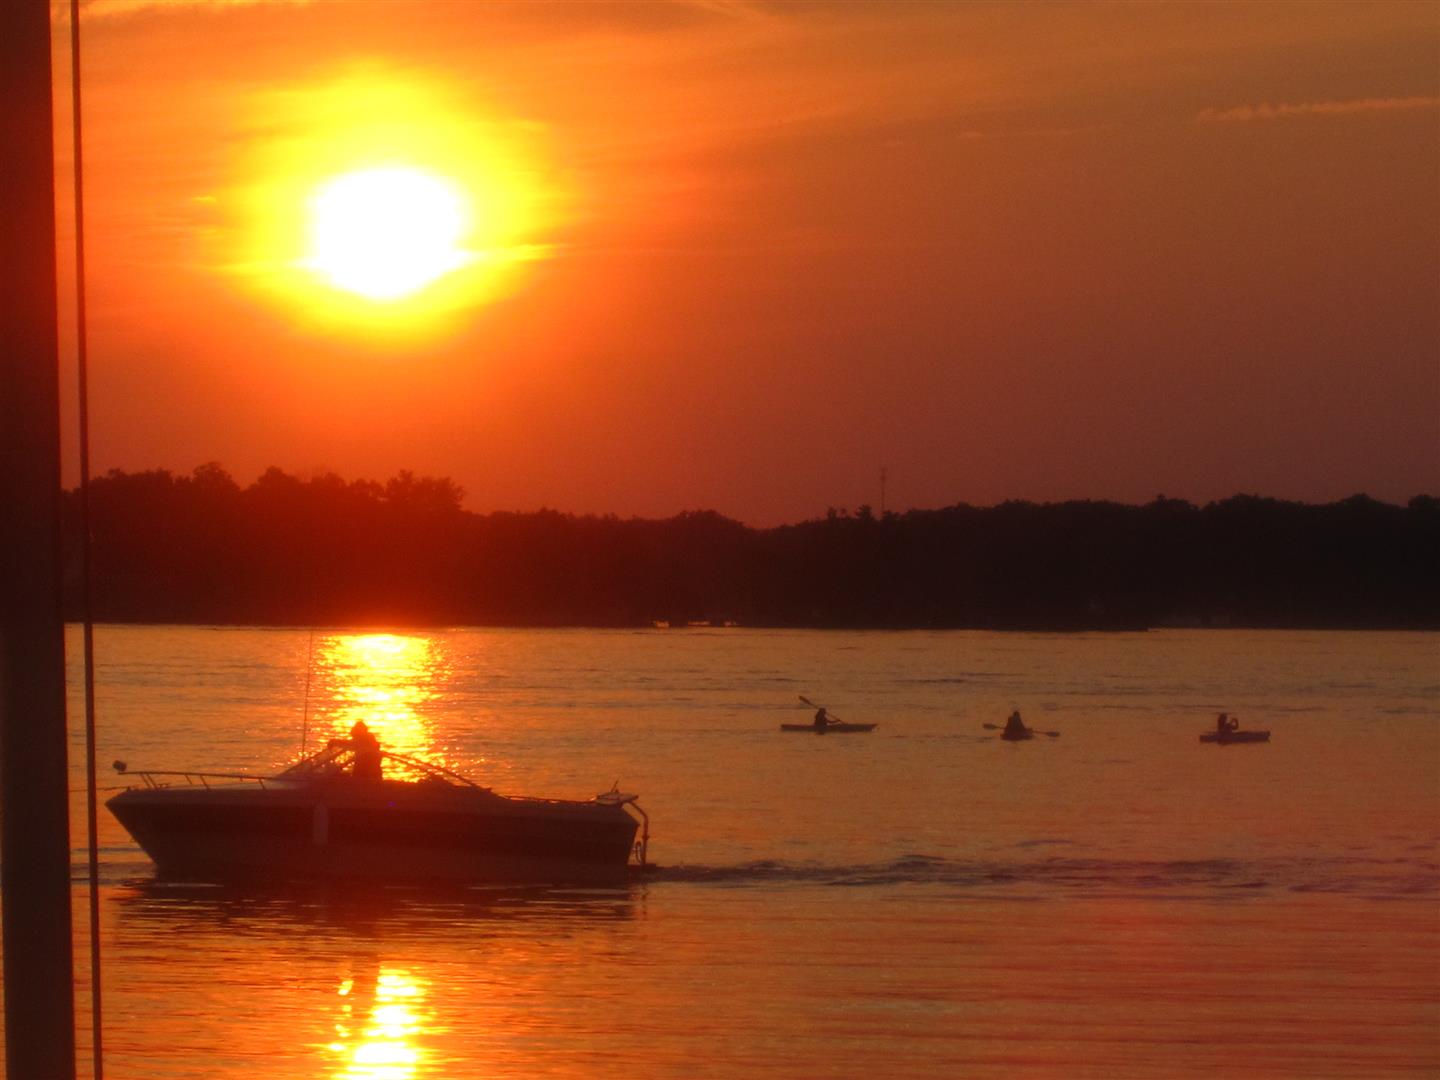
x=334 y=814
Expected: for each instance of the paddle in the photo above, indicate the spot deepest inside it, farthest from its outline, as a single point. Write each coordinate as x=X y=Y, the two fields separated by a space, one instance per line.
x=1033 y=731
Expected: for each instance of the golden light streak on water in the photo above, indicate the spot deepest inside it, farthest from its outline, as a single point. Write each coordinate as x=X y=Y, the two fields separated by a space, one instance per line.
x=380 y=1021
x=386 y=680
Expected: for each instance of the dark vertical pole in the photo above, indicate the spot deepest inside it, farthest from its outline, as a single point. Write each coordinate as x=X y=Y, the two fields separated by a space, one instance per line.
x=34 y=812
x=82 y=357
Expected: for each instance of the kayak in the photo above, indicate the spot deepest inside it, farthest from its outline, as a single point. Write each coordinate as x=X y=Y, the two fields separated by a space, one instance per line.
x=1017 y=736
x=1235 y=737
x=837 y=728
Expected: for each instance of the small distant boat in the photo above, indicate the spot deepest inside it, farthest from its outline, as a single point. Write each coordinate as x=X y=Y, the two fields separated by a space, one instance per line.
x=829 y=724
x=1227 y=730
x=1223 y=737
x=1014 y=730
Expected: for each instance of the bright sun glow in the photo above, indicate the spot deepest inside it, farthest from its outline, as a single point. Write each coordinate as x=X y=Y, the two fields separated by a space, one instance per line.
x=386 y=233
x=383 y=207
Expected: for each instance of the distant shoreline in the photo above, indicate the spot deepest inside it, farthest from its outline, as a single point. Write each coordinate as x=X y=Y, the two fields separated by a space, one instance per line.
x=200 y=549
x=420 y=627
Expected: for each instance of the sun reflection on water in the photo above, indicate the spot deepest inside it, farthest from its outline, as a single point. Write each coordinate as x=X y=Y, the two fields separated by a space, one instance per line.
x=386 y=680
x=381 y=1019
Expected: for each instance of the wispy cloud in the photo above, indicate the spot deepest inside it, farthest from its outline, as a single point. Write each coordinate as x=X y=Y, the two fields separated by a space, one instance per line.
x=103 y=8
x=1245 y=113
x=735 y=9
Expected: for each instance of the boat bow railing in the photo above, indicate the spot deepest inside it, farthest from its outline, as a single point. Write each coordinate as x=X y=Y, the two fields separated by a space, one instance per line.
x=192 y=779
x=331 y=761
x=338 y=756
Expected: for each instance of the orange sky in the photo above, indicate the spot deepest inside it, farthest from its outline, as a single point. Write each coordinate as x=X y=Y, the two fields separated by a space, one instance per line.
x=749 y=253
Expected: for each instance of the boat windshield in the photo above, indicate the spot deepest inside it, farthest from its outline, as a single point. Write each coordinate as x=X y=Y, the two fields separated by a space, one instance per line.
x=337 y=759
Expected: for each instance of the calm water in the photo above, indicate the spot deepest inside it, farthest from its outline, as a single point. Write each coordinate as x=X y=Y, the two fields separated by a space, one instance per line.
x=922 y=901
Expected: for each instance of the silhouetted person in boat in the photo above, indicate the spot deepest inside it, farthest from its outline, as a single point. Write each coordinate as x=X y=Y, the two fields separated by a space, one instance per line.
x=367 y=752
x=1224 y=724
x=821 y=720
x=1015 y=727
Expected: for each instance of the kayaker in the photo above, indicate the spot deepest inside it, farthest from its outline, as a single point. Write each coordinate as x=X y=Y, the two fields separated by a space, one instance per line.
x=367 y=751
x=1224 y=724
x=1015 y=727
x=821 y=720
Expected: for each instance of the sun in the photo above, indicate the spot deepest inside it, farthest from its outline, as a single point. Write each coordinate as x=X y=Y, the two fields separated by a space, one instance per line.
x=386 y=233
x=385 y=208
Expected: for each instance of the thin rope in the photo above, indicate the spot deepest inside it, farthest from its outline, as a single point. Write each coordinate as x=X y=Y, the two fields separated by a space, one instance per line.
x=309 y=667
x=83 y=365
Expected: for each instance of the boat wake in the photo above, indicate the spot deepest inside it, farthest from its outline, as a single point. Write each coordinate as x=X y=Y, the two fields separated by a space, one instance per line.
x=1417 y=878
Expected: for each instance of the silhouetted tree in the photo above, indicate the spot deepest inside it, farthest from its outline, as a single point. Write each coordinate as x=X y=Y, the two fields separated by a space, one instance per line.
x=200 y=548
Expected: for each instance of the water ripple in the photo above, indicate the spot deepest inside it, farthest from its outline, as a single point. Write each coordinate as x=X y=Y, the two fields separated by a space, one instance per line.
x=1376 y=878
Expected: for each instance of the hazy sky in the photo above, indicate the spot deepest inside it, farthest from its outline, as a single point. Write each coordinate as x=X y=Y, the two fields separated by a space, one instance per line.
x=738 y=256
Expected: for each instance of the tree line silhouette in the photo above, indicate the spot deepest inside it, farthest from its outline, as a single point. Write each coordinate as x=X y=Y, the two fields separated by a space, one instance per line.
x=327 y=551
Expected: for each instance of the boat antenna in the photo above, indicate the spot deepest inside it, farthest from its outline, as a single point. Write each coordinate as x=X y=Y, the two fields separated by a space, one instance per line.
x=87 y=609
x=309 y=668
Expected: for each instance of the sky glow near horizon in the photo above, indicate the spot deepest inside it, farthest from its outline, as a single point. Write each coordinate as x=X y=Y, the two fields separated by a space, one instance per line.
x=741 y=256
